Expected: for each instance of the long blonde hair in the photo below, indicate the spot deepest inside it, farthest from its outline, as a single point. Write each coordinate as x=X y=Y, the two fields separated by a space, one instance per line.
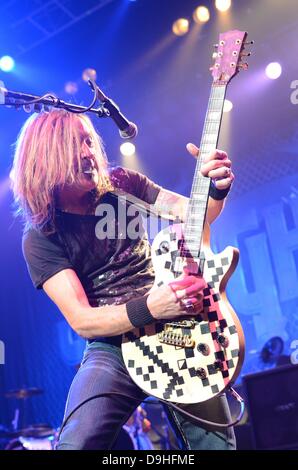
x=47 y=156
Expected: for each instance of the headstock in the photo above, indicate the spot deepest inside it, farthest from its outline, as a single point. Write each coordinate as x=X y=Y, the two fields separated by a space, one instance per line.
x=228 y=56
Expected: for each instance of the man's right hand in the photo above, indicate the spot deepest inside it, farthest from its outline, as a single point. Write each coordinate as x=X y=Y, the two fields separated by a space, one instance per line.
x=169 y=301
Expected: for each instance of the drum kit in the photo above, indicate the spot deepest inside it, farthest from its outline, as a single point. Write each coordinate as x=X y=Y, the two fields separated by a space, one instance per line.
x=146 y=429
x=30 y=437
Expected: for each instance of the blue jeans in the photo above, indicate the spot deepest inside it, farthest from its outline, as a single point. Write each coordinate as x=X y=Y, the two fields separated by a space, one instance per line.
x=103 y=396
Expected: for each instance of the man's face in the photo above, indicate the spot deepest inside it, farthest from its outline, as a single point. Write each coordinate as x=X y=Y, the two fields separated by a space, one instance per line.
x=88 y=178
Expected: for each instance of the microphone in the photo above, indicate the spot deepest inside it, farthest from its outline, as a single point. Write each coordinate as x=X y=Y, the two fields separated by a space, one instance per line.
x=127 y=129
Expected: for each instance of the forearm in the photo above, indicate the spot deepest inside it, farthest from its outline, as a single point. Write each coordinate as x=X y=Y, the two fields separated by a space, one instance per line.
x=176 y=205
x=161 y=303
x=67 y=292
x=111 y=320
x=171 y=205
x=214 y=209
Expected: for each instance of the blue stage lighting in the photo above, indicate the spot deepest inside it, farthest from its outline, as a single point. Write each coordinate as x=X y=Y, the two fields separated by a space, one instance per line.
x=6 y=63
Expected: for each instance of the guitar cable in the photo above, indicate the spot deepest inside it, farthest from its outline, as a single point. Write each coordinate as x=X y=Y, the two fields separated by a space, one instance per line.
x=169 y=404
x=204 y=421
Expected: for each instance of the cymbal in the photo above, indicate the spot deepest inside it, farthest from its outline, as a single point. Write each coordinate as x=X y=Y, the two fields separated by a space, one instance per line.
x=30 y=431
x=23 y=393
x=36 y=430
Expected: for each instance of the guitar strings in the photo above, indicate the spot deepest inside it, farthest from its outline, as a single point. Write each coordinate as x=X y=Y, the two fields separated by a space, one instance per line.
x=200 y=187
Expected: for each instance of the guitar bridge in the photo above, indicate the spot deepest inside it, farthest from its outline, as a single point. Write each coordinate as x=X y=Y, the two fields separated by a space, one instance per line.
x=168 y=336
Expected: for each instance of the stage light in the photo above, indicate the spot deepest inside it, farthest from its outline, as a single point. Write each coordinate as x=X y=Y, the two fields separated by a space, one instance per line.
x=273 y=70
x=7 y=63
x=228 y=106
x=223 y=5
x=71 y=88
x=180 y=27
x=89 y=73
x=201 y=15
x=127 y=149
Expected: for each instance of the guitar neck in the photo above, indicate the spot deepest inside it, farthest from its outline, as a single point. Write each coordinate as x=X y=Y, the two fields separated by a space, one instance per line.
x=198 y=201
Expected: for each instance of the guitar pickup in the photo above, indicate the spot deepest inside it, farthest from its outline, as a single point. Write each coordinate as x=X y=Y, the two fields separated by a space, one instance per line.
x=181 y=324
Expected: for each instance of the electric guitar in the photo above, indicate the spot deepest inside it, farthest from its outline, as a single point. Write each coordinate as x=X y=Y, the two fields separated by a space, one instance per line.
x=193 y=359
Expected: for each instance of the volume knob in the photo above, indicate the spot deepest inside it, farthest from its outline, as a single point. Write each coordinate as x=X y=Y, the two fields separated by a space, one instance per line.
x=218 y=365
x=204 y=349
x=223 y=341
x=201 y=372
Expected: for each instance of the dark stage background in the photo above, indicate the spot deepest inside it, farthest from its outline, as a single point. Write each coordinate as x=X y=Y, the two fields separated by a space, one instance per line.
x=162 y=83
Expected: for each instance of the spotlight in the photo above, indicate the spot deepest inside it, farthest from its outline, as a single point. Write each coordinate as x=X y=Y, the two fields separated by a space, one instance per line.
x=273 y=70
x=180 y=27
x=71 y=88
x=89 y=73
x=223 y=5
x=6 y=63
x=201 y=15
x=228 y=106
x=127 y=149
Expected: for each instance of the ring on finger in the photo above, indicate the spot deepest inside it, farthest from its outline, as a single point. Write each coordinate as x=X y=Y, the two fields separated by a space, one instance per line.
x=187 y=303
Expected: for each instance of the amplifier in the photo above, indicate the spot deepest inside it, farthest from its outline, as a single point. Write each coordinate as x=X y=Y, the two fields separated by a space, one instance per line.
x=272 y=398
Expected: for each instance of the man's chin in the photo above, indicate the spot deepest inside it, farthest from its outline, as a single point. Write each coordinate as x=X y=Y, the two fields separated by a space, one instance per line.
x=87 y=183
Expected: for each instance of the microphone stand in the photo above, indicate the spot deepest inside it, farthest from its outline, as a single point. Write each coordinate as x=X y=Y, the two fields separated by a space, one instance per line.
x=18 y=99
x=107 y=107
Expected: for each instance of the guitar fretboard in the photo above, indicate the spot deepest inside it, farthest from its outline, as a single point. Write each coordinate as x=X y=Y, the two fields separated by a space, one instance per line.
x=200 y=187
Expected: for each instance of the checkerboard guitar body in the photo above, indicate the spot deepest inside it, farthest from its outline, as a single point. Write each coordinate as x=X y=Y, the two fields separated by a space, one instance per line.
x=198 y=373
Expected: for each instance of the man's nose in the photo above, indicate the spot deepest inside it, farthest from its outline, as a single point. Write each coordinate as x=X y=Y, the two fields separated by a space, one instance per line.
x=86 y=150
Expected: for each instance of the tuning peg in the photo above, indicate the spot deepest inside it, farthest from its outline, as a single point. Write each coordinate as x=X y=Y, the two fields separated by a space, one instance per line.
x=249 y=42
x=243 y=65
x=215 y=46
x=245 y=54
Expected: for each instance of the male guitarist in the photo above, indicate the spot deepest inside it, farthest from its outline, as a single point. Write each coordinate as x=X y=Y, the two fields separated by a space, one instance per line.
x=102 y=285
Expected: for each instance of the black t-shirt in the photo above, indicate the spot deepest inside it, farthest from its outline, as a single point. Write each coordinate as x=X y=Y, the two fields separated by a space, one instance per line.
x=112 y=270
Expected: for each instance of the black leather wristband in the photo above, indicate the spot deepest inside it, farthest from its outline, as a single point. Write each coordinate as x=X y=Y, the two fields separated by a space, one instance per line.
x=138 y=312
x=218 y=194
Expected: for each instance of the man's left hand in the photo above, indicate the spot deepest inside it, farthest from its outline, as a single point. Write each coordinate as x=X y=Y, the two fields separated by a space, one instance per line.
x=216 y=165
